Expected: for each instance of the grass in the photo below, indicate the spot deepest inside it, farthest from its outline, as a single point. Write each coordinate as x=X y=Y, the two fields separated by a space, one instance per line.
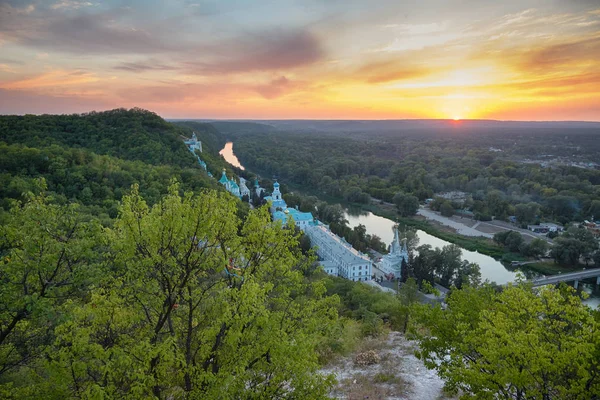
x=386 y=377
x=551 y=268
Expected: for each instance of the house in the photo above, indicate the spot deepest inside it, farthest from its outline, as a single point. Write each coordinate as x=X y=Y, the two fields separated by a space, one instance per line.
x=538 y=228
x=301 y=219
x=230 y=185
x=193 y=144
x=552 y=227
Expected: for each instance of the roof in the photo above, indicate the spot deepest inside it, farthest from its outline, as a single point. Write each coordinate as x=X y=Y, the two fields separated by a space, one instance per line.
x=299 y=215
x=345 y=251
x=223 y=179
x=280 y=216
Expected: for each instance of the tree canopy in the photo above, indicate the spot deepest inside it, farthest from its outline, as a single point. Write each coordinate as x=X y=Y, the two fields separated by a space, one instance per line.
x=515 y=344
x=177 y=299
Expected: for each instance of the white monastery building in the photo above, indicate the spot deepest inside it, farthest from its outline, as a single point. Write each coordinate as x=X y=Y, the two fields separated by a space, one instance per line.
x=391 y=263
x=231 y=186
x=339 y=257
x=193 y=144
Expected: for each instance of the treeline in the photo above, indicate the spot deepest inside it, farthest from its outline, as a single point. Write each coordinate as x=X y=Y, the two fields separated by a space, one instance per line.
x=575 y=245
x=93 y=159
x=133 y=134
x=355 y=169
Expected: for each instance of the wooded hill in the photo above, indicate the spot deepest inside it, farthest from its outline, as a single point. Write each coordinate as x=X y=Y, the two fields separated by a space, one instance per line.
x=94 y=158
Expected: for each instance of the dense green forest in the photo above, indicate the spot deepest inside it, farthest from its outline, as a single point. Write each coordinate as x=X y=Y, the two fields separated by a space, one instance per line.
x=93 y=159
x=357 y=167
x=126 y=272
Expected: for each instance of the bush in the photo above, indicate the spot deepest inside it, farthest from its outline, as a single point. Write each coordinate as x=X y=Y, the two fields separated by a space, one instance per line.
x=446 y=209
x=367 y=358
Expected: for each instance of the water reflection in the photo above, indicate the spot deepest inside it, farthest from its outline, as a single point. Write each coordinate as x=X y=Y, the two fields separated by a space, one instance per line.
x=229 y=155
x=490 y=269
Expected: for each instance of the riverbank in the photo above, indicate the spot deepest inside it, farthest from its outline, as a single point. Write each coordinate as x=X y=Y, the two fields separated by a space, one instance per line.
x=435 y=228
x=472 y=243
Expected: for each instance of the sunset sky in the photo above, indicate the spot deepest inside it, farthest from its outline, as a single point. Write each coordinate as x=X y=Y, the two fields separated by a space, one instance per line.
x=335 y=59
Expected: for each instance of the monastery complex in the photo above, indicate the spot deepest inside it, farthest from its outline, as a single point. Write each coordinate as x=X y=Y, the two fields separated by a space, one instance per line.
x=336 y=255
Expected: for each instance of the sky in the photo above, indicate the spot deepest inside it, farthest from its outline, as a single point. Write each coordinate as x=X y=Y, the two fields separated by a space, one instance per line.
x=292 y=59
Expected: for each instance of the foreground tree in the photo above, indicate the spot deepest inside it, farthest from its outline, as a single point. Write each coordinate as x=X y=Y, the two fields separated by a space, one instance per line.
x=517 y=344
x=48 y=259
x=194 y=304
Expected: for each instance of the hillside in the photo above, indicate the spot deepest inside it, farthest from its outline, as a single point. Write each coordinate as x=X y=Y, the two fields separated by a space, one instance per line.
x=93 y=159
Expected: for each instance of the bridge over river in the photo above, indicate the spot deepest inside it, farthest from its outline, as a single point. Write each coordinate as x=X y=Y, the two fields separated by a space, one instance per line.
x=570 y=277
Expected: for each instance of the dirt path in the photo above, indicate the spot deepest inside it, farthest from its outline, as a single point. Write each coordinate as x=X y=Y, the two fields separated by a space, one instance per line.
x=398 y=375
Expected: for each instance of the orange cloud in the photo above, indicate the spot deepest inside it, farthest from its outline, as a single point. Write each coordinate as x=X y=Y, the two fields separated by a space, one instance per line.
x=51 y=79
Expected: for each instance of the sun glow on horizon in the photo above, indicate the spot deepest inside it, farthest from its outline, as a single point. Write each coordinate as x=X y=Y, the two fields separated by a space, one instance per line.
x=456 y=118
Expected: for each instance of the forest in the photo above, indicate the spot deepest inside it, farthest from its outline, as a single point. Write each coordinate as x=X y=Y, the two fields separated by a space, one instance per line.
x=126 y=272
x=93 y=159
x=376 y=165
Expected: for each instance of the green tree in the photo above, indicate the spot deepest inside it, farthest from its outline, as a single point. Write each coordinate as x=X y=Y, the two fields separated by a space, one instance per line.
x=50 y=256
x=572 y=245
x=594 y=210
x=536 y=248
x=408 y=295
x=516 y=344
x=526 y=212
x=197 y=305
x=407 y=204
x=446 y=209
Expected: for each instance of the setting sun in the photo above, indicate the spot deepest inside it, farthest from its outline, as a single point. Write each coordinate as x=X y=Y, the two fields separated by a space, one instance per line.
x=456 y=118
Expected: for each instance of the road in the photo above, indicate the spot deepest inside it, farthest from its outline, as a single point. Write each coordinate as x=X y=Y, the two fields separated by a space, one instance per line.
x=460 y=228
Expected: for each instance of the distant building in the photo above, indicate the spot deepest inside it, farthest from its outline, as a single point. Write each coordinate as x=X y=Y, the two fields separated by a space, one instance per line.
x=230 y=185
x=277 y=202
x=301 y=219
x=193 y=144
x=552 y=227
x=454 y=196
x=546 y=227
x=391 y=263
x=257 y=189
x=538 y=228
x=592 y=227
x=338 y=256
x=244 y=191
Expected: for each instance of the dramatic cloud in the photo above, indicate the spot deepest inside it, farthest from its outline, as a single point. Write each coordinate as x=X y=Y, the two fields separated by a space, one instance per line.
x=146 y=66
x=50 y=79
x=530 y=59
x=264 y=51
x=276 y=88
x=575 y=52
x=388 y=71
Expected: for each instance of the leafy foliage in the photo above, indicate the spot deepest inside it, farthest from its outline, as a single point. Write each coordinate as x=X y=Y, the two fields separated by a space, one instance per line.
x=158 y=316
x=516 y=344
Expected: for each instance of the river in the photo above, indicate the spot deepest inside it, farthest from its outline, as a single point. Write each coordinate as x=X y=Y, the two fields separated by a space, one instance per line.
x=230 y=157
x=490 y=268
